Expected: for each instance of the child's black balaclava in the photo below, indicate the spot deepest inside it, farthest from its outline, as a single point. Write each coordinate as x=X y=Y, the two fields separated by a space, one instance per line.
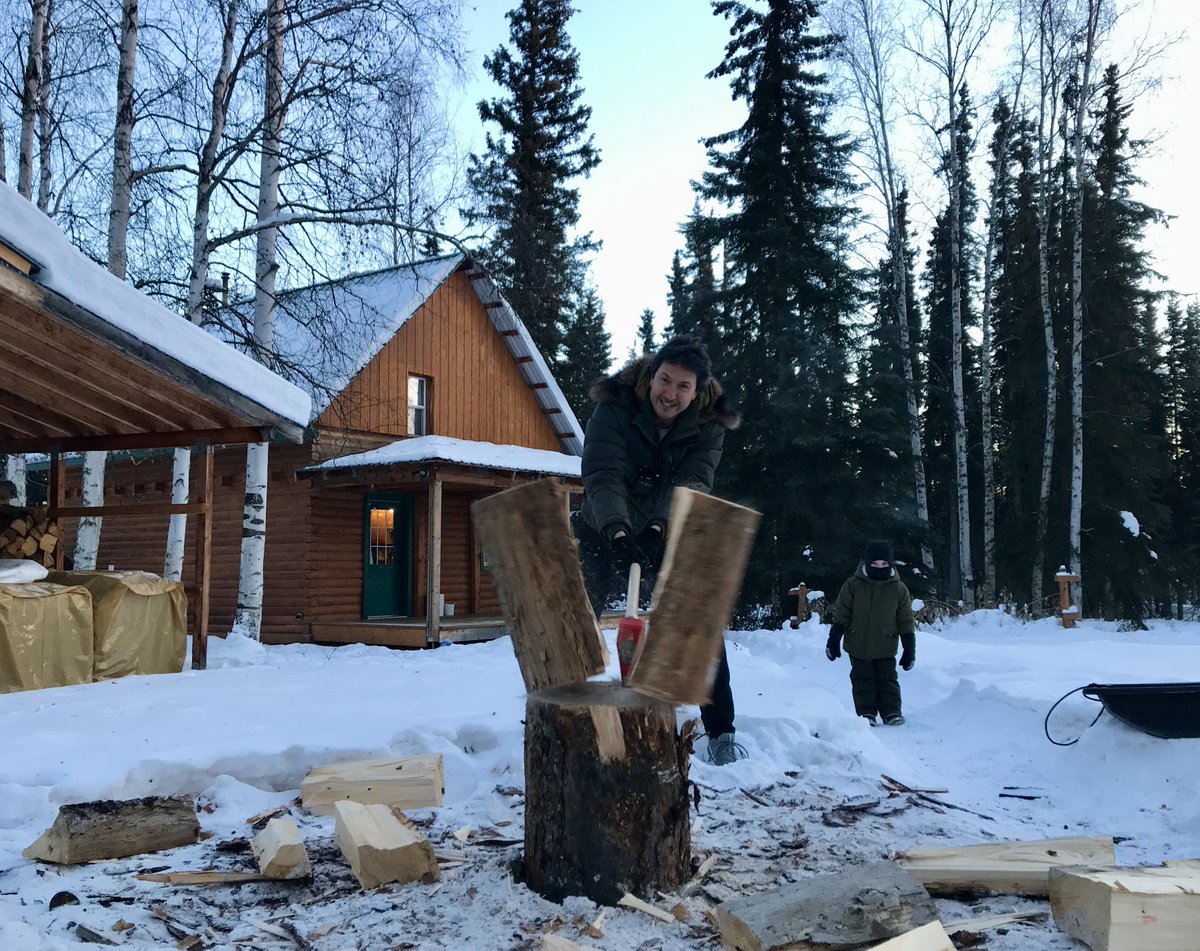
x=878 y=550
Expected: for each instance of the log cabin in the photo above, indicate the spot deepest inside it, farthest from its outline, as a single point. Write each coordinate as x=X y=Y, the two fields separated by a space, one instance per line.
x=428 y=393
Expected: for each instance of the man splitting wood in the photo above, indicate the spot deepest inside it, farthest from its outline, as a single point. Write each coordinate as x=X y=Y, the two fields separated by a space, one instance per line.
x=659 y=423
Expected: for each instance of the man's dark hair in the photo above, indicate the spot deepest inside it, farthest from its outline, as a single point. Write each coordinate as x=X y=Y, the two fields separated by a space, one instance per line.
x=686 y=351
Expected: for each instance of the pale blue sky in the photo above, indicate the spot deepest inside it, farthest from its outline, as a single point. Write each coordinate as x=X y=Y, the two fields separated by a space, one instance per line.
x=643 y=66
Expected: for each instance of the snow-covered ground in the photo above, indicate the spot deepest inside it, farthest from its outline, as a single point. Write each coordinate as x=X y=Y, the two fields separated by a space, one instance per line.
x=242 y=735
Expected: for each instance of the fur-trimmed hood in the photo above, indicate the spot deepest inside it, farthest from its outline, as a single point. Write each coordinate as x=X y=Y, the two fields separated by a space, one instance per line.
x=630 y=386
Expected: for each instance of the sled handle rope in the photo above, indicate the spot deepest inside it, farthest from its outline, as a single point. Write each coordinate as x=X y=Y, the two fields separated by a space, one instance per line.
x=1046 y=722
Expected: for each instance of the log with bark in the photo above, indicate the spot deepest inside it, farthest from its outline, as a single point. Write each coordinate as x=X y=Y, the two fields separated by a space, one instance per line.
x=606 y=806
x=850 y=909
x=112 y=829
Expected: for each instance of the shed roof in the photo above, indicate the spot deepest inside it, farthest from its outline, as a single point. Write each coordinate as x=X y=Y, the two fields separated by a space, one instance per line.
x=88 y=361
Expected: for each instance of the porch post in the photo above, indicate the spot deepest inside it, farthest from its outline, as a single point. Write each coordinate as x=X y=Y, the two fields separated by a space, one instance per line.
x=203 y=529
x=433 y=565
x=55 y=500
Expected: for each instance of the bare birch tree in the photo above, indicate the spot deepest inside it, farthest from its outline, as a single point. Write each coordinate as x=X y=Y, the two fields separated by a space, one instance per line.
x=30 y=95
x=248 y=618
x=868 y=51
x=87 y=538
x=1049 y=20
x=1087 y=52
x=961 y=28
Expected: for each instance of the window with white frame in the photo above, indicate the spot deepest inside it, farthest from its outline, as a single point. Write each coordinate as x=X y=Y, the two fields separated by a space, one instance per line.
x=418 y=405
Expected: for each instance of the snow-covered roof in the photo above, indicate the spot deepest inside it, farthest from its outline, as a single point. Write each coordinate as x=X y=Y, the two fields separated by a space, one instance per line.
x=369 y=309
x=334 y=329
x=463 y=451
x=530 y=362
x=71 y=274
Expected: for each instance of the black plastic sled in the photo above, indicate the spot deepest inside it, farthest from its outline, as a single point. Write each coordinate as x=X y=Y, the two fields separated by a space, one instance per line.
x=1169 y=711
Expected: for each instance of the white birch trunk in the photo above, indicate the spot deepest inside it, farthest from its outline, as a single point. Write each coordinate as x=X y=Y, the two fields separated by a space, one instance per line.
x=177 y=532
x=1093 y=13
x=956 y=365
x=29 y=98
x=45 y=126
x=205 y=185
x=248 y=619
x=87 y=536
x=87 y=541
x=122 y=179
x=14 y=471
x=1048 y=94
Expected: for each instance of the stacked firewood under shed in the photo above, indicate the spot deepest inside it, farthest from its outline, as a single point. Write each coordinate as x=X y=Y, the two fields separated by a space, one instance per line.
x=28 y=533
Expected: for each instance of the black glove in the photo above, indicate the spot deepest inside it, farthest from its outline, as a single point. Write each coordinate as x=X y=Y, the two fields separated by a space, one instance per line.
x=654 y=543
x=625 y=551
x=833 y=647
x=908 y=656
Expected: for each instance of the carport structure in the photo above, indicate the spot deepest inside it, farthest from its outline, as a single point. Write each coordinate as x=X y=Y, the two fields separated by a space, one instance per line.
x=87 y=362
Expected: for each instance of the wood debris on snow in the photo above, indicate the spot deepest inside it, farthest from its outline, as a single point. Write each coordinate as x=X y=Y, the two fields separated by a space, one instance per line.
x=411 y=782
x=382 y=847
x=280 y=851
x=1009 y=868
x=1129 y=909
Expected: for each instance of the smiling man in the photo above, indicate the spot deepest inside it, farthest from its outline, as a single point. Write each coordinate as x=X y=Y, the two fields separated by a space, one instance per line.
x=659 y=423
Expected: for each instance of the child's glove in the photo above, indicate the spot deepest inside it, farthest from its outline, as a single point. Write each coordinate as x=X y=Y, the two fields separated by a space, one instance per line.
x=833 y=648
x=908 y=656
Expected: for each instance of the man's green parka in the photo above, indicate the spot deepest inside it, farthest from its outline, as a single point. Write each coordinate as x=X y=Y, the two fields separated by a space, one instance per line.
x=875 y=614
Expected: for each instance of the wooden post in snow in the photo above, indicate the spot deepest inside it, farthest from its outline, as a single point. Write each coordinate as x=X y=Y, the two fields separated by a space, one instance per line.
x=1068 y=612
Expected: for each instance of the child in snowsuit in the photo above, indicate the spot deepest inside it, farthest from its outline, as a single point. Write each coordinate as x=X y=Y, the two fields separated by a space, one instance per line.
x=874 y=613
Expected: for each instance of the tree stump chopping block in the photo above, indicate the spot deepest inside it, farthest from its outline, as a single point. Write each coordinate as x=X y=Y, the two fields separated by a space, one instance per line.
x=606 y=806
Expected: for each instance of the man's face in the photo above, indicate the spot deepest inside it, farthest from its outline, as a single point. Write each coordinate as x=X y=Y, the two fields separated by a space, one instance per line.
x=672 y=390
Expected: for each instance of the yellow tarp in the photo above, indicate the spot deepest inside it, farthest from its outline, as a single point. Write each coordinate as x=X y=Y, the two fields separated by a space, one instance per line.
x=140 y=621
x=45 y=636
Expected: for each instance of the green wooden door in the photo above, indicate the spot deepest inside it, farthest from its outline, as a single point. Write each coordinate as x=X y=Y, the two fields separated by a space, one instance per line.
x=387 y=554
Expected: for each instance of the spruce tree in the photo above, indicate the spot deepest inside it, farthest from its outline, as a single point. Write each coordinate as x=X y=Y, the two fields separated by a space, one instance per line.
x=587 y=353
x=645 y=331
x=787 y=298
x=1019 y=357
x=521 y=182
x=884 y=449
x=1125 y=457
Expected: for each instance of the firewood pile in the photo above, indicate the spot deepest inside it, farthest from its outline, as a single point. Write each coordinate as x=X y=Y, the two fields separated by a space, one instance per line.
x=28 y=533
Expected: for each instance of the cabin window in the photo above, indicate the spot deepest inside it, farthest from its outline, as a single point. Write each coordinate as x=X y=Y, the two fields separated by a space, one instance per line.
x=418 y=406
x=383 y=525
